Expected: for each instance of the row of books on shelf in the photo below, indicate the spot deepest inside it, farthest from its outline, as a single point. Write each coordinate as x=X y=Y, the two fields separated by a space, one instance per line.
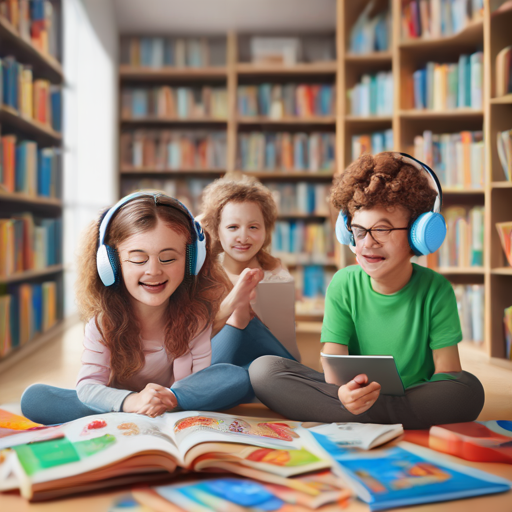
x=438 y=18
x=371 y=31
x=27 y=169
x=507 y=329
x=276 y=101
x=311 y=281
x=166 y=149
x=450 y=85
x=170 y=102
x=300 y=198
x=372 y=96
x=26 y=310
x=504 y=71
x=35 y=99
x=504 y=143
x=464 y=242
x=303 y=243
x=29 y=243
x=458 y=159
x=36 y=21
x=158 y=52
x=372 y=143
x=470 y=303
x=289 y=151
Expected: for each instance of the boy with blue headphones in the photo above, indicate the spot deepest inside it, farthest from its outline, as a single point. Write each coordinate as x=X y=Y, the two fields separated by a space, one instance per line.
x=389 y=211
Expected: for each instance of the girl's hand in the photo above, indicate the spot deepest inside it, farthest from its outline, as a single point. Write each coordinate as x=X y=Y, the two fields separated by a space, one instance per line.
x=152 y=401
x=358 y=396
x=245 y=289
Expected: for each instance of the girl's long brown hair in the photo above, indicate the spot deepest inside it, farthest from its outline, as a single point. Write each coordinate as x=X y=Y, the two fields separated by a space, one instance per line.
x=192 y=307
x=223 y=191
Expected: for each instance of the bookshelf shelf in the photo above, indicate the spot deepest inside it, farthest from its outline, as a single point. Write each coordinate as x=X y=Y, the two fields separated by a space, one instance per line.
x=368 y=119
x=35 y=200
x=369 y=58
x=502 y=99
x=461 y=270
x=312 y=68
x=472 y=34
x=462 y=191
x=32 y=274
x=170 y=172
x=44 y=65
x=462 y=113
x=172 y=120
x=501 y=184
x=41 y=132
x=287 y=120
x=289 y=175
x=144 y=74
x=503 y=271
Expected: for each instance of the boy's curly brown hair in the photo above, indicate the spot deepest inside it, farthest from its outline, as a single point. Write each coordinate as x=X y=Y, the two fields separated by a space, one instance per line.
x=383 y=180
x=225 y=190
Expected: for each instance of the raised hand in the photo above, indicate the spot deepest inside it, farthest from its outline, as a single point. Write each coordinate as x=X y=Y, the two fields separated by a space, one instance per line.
x=357 y=396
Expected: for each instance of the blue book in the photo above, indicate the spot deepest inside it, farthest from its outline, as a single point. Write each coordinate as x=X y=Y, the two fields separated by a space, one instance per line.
x=463 y=100
x=140 y=103
x=20 y=174
x=419 y=78
x=408 y=475
x=145 y=51
x=314 y=281
x=169 y=52
x=37 y=307
x=56 y=108
x=429 y=85
x=15 y=317
x=44 y=172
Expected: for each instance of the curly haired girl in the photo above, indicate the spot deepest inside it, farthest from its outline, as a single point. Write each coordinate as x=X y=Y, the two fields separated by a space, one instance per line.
x=149 y=315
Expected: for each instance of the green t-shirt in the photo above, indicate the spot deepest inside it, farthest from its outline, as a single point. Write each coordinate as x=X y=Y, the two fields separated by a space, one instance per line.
x=407 y=325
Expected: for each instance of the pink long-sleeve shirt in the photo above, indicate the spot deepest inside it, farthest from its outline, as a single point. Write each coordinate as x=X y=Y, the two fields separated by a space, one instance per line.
x=159 y=368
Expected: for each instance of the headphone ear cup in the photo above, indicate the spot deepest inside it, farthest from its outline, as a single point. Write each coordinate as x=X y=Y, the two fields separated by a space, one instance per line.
x=427 y=233
x=197 y=252
x=107 y=263
x=343 y=235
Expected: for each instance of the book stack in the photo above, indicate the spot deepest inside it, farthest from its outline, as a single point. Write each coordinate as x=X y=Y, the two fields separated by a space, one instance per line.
x=464 y=243
x=457 y=158
x=166 y=149
x=302 y=243
x=372 y=143
x=277 y=101
x=29 y=244
x=35 y=20
x=450 y=86
x=371 y=32
x=504 y=144
x=286 y=151
x=504 y=71
x=175 y=102
x=187 y=190
x=35 y=99
x=29 y=170
x=438 y=18
x=300 y=198
x=372 y=96
x=179 y=52
x=470 y=303
x=26 y=310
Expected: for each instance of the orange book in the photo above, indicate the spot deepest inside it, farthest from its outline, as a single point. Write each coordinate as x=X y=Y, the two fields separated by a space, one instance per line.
x=26 y=320
x=467 y=140
x=9 y=153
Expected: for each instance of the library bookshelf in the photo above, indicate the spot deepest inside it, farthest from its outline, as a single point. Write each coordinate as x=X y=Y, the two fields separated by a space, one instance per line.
x=487 y=32
x=15 y=204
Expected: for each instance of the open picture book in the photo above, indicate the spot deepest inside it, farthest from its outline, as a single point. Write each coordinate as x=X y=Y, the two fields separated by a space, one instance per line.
x=109 y=449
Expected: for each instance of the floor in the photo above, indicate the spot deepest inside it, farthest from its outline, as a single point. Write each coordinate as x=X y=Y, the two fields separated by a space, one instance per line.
x=58 y=361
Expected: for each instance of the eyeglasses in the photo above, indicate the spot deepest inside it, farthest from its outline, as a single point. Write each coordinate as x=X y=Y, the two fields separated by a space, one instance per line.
x=379 y=235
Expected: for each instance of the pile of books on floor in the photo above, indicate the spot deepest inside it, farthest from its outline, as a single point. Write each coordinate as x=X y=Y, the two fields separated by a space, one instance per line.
x=268 y=464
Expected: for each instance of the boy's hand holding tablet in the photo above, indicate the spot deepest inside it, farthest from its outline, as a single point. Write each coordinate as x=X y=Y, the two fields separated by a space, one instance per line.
x=359 y=395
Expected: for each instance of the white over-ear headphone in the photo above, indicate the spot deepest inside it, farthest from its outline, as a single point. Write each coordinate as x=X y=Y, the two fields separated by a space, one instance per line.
x=427 y=232
x=107 y=260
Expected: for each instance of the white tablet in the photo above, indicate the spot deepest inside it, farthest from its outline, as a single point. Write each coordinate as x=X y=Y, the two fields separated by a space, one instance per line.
x=381 y=369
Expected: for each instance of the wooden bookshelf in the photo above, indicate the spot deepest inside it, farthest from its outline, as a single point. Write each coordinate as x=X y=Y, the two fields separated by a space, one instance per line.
x=490 y=32
x=47 y=67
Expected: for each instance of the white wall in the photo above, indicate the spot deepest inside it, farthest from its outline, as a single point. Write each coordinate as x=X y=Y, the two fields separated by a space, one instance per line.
x=90 y=42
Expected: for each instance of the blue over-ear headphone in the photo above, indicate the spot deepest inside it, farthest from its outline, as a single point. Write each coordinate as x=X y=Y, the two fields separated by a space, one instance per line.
x=107 y=261
x=427 y=232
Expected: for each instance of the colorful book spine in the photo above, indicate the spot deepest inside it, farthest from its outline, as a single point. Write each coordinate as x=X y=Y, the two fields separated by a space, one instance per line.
x=372 y=96
x=449 y=86
x=470 y=303
x=371 y=32
x=300 y=198
x=277 y=101
x=285 y=151
x=165 y=149
x=175 y=102
x=458 y=159
x=507 y=325
x=372 y=143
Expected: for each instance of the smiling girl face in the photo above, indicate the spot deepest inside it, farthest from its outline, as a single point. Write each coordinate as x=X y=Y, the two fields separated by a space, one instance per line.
x=242 y=231
x=153 y=265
